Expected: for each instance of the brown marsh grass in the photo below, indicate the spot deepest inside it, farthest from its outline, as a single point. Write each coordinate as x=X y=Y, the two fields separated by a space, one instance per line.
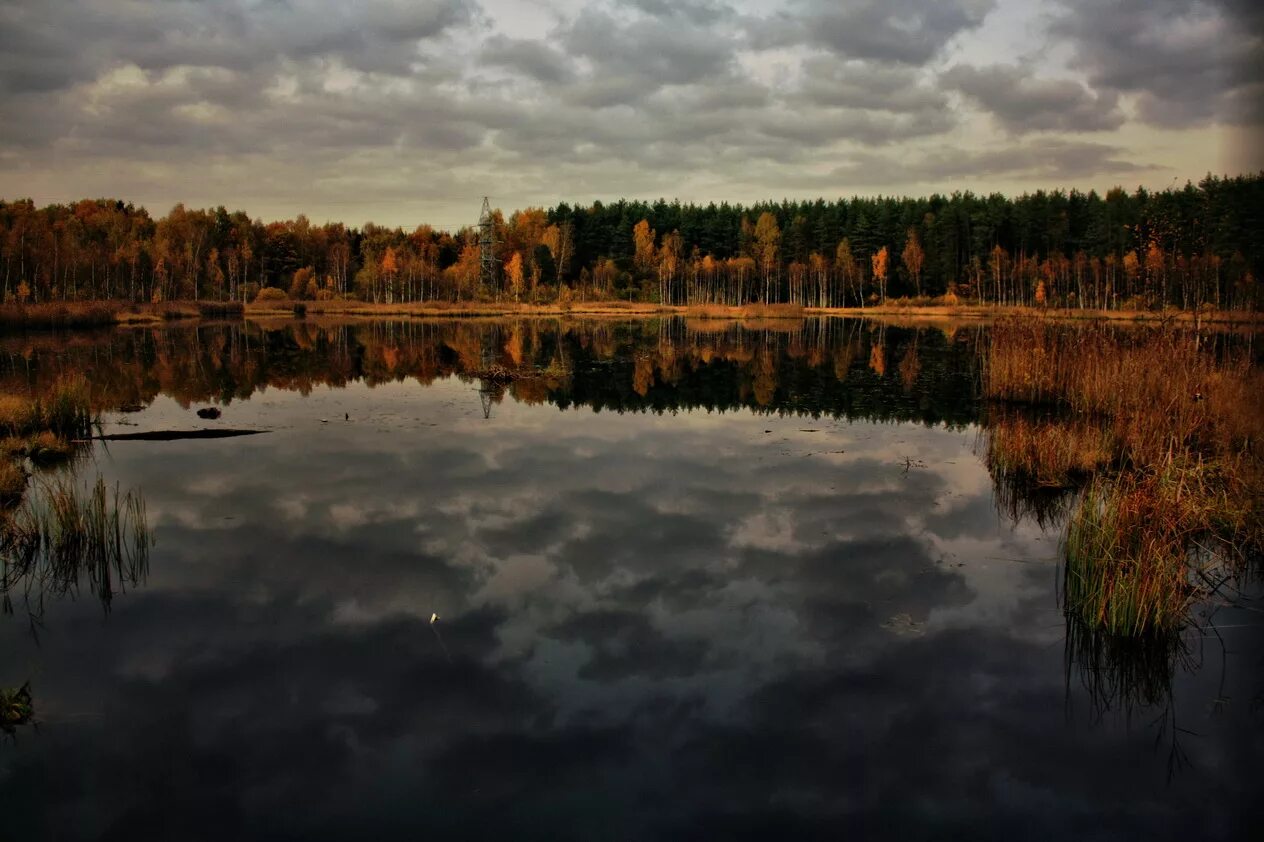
x=60 y=315
x=1037 y=463
x=66 y=411
x=1163 y=431
x=12 y=484
x=745 y=311
x=1048 y=453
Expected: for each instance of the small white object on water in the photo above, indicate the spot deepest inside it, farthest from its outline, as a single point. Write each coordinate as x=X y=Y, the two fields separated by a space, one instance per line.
x=434 y=618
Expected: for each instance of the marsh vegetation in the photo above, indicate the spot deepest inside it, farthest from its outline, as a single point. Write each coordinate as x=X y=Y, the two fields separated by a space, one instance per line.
x=1157 y=434
x=56 y=536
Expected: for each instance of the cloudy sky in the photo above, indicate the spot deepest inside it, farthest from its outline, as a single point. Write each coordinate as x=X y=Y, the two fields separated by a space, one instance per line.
x=404 y=111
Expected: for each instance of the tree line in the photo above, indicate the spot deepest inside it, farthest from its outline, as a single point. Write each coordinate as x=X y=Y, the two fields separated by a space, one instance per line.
x=1191 y=246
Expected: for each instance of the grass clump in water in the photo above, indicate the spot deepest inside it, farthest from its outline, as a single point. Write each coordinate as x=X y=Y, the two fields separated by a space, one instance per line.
x=64 y=536
x=1126 y=573
x=16 y=709
x=65 y=411
x=1048 y=453
x=12 y=484
x=43 y=449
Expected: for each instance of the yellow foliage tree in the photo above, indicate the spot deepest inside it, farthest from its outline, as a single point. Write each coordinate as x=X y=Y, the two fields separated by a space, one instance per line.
x=767 y=245
x=515 y=275
x=914 y=258
x=643 y=242
x=880 y=262
x=848 y=270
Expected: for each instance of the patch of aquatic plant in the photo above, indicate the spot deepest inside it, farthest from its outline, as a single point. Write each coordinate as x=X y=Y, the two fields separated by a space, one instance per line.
x=58 y=315
x=65 y=537
x=221 y=309
x=66 y=411
x=12 y=484
x=17 y=708
x=1050 y=452
x=1164 y=430
x=1138 y=546
x=1161 y=388
x=43 y=449
x=1123 y=672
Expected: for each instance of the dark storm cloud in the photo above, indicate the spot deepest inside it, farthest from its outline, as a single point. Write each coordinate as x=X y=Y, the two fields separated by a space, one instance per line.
x=832 y=83
x=1046 y=159
x=49 y=45
x=903 y=31
x=1186 y=62
x=607 y=97
x=866 y=127
x=633 y=58
x=535 y=59
x=1023 y=103
x=699 y=11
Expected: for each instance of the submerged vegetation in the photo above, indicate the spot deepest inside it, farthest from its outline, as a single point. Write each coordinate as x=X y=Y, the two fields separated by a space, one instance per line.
x=65 y=537
x=1159 y=432
x=17 y=708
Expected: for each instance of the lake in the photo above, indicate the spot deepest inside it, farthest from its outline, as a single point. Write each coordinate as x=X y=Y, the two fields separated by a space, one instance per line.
x=542 y=579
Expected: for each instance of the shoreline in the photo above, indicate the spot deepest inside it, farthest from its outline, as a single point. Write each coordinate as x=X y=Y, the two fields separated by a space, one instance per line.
x=81 y=315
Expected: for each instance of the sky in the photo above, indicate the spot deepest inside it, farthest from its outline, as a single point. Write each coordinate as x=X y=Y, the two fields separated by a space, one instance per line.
x=410 y=111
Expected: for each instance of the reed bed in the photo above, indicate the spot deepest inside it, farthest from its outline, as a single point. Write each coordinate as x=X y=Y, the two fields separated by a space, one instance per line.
x=65 y=536
x=12 y=484
x=66 y=411
x=221 y=309
x=1163 y=432
x=58 y=316
x=1126 y=552
x=1048 y=453
x=1163 y=388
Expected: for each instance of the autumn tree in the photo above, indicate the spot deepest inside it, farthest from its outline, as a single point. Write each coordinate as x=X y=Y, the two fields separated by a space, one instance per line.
x=643 y=237
x=818 y=269
x=668 y=265
x=300 y=281
x=849 y=271
x=390 y=269
x=879 y=261
x=604 y=273
x=767 y=245
x=514 y=274
x=914 y=258
x=559 y=241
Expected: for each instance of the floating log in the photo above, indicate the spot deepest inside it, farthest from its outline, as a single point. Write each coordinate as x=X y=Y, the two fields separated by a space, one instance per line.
x=176 y=435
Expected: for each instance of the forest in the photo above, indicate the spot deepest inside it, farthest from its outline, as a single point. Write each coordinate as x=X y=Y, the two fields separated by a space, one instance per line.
x=1196 y=246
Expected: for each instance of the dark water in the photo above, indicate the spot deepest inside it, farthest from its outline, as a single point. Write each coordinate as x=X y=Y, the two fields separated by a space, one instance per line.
x=695 y=581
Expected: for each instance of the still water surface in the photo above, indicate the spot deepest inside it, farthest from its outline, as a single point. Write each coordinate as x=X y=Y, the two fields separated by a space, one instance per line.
x=694 y=581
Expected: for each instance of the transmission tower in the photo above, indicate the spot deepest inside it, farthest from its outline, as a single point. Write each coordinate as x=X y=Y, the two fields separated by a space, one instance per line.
x=486 y=247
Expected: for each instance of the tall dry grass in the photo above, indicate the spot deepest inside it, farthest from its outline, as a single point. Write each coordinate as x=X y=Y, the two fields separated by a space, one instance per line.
x=1050 y=452
x=65 y=410
x=1162 y=388
x=12 y=484
x=59 y=315
x=1037 y=464
x=1165 y=432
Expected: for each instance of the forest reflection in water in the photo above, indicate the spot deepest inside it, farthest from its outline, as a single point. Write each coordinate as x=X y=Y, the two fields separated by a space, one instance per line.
x=766 y=556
